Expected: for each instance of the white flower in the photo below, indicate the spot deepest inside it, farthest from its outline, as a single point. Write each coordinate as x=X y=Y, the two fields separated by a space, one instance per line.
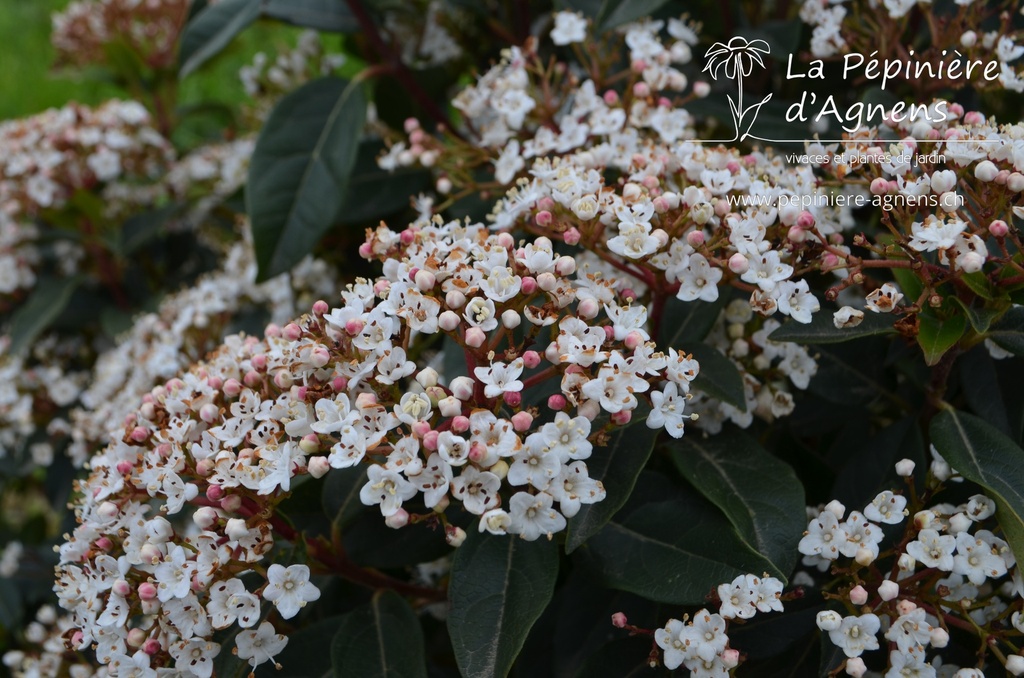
x=767 y=270
x=289 y=588
x=933 y=550
x=531 y=516
x=476 y=489
x=909 y=665
x=886 y=508
x=856 y=634
x=500 y=378
x=699 y=280
x=196 y=655
x=846 y=317
x=884 y=299
x=387 y=488
x=569 y=27
x=706 y=633
x=675 y=648
x=229 y=601
x=738 y=598
x=667 y=408
x=978 y=556
x=260 y=645
x=910 y=632
x=796 y=300
x=574 y=487
x=822 y=537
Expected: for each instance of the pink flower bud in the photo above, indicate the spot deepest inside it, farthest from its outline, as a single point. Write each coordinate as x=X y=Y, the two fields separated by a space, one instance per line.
x=231 y=503
x=588 y=308
x=103 y=544
x=695 y=238
x=125 y=467
x=139 y=434
x=571 y=236
x=998 y=228
x=283 y=379
x=641 y=90
x=310 y=443
x=529 y=285
x=611 y=97
x=622 y=417
x=430 y=440
x=151 y=646
x=291 y=332
x=448 y=321
x=462 y=388
x=543 y=218
x=974 y=118
x=512 y=398
x=425 y=280
x=557 y=402
x=506 y=240
x=410 y=125
x=365 y=250
x=879 y=186
x=829 y=261
x=633 y=339
x=232 y=388
x=421 y=428
x=147 y=591
x=136 y=637
x=796 y=234
x=805 y=220
x=906 y=606
x=398 y=519
x=619 y=620
x=609 y=332
x=738 y=263
x=475 y=337
x=319 y=356
x=209 y=413
x=722 y=207
x=858 y=595
x=318 y=466
x=460 y=424
x=339 y=384
x=521 y=421
x=730 y=658
x=565 y=266
x=531 y=359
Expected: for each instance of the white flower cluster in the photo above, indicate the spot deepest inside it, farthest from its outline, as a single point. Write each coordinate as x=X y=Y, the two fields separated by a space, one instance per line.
x=83 y=31
x=421 y=32
x=334 y=391
x=47 y=157
x=947 y=540
x=209 y=175
x=266 y=81
x=768 y=369
x=702 y=644
x=19 y=256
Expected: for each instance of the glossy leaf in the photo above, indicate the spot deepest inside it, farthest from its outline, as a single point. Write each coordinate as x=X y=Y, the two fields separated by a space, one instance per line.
x=615 y=13
x=46 y=303
x=980 y=453
x=617 y=466
x=822 y=329
x=673 y=551
x=499 y=586
x=382 y=638
x=979 y=284
x=686 y=322
x=320 y=15
x=1008 y=331
x=718 y=377
x=980 y=383
x=759 y=494
x=300 y=170
x=341 y=495
x=304 y=656
x=980 y=317
x=935 y=336
x=212 y=29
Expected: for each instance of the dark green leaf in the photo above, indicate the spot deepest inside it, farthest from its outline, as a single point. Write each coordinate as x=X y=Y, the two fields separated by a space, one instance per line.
x=718 y=376
x=979 y=284
x=615 y=13
x=759 y=494
x=981 y=387
x=10 y=604
x=382 y=638
x=320 y=15
x=499 y=586
x=617 y=466
x=982 y=454
x=909 y=282
x=980 y=317
x=869 y=468
x=672 y=552
x=143 y=227
x=621 y=658
x=374 y=193
x=686 y=322
x=1008 y=331
x=371 y=543
x=212 y=29
x=300 y=170
x=853 y=373
x=304 y=656
x=822 y=329
x=341 y=495
x=935 y=336
x=589 y=8
x=40 y=310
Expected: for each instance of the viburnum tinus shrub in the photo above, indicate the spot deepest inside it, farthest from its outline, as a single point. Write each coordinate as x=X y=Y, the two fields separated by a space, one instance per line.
x=617 y=396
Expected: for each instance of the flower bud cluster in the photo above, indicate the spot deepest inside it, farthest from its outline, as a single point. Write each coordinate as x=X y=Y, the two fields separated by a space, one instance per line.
x=947 y=571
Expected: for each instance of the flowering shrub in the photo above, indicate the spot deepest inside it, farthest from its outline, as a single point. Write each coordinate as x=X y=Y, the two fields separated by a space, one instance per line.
x=601 y=391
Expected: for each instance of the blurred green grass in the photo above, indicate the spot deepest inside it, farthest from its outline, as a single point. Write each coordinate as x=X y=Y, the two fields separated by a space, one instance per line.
x=27 y=83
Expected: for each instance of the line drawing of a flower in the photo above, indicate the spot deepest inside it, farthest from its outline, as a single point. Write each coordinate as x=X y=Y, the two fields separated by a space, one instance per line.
x=736 y=60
